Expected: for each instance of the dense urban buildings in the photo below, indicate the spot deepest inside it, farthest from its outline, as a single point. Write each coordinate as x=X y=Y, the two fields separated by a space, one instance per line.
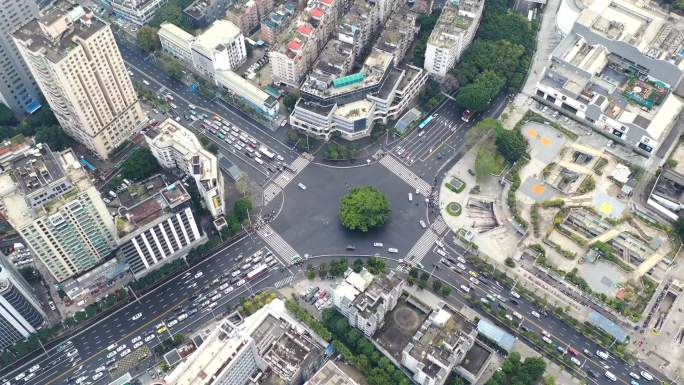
x=20 y=311
x=219 y=48
x=365 y=300
x=352 y=104
x=176 y=147
x=237 y=352
x=76 y=62
x=18 y=89
x=50 y=201
x=614 y=71
x=453 y=33
x=139 y=12
x=158 y=228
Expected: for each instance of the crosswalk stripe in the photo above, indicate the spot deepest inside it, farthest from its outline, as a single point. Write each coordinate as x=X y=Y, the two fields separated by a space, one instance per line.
x=278 y=244
x=439 y=226
x=284 y=282
x=405 y=174
x=422 y=246
x=283 y=179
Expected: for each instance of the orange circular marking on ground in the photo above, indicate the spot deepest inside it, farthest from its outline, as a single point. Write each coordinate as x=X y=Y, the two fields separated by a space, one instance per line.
x=538 y=188
x=545 y=141
x=532 y=133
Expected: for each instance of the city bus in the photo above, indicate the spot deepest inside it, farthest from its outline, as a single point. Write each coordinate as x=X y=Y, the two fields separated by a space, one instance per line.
x=258 y=272
x=425 y=122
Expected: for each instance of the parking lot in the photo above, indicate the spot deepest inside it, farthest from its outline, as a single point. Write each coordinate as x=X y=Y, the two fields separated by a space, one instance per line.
x=311 y=226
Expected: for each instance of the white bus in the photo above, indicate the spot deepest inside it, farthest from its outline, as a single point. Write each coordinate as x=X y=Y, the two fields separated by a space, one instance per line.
x=265 y=151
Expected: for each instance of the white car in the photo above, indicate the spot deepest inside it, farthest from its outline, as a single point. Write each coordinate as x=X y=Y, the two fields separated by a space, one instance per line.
x=461 y=259
x=100 y=369
x=603 y=355
x=461 y=266
x=149 y=338
x=393 y=250
x=378 y=244
x=422 y=224
x=199 y=274
x=137 y=344
x=120 y=348
x=72 y=353
x=137 y=316
x=634 y=376
x=240 y=283
x=136 y=339
x=465 y=288
x=575 y=361
x=535 y=313
x=173 y=323
x=544 y=338
x=34 y=368
x=474 y=281
x=301 y=186
x=97 y=376
x=125 y=353
x=228 y=290
x=111 y=354
x=517 y=315
x=508 y=317
x=545 y=333
x=182 y=317
x=646 y=375
x=515 y=294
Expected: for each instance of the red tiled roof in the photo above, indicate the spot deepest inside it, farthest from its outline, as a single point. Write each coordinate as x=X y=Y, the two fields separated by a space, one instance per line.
x=329 y=2
x=304 y=29
x=317 y=13
x=294 y=45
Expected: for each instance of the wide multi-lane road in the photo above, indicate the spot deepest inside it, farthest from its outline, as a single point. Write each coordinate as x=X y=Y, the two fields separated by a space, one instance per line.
x=175 y=303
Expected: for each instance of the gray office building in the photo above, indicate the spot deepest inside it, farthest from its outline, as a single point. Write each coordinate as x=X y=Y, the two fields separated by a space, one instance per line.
x=20 y=312
x=18 y=89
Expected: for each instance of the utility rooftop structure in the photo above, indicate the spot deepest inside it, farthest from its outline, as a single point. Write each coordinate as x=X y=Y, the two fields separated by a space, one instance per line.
x=235 y=353
x=74 y=58
x=139 y=12
x=49 y=199
x=453 y=33
x=438 y=346
x=667 y=195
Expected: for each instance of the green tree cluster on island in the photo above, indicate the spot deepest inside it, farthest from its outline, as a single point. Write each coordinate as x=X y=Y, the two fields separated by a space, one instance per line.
x=498 y=57
x=363 y=209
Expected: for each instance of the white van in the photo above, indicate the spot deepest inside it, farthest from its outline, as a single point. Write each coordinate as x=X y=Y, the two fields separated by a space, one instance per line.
x=602 y=354
x=258 y=160
x=410 y=197
x=611 y=376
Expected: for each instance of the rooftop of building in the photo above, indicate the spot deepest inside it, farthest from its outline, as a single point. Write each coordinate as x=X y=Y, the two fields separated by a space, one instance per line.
x=373 y=71
x=170 y=133
x=35 y=169
x=57 y=31
x=12 y=148
x=174 y=31
x=133 y=4
x=279 y=340
x=450 y=23
x=368 y=300
x=221 y=33
x=330 y=374
x=157 y=201
x=670 y=185
x=358 y=15
x=198 y=8
x=15 y=194
x=601 y=78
